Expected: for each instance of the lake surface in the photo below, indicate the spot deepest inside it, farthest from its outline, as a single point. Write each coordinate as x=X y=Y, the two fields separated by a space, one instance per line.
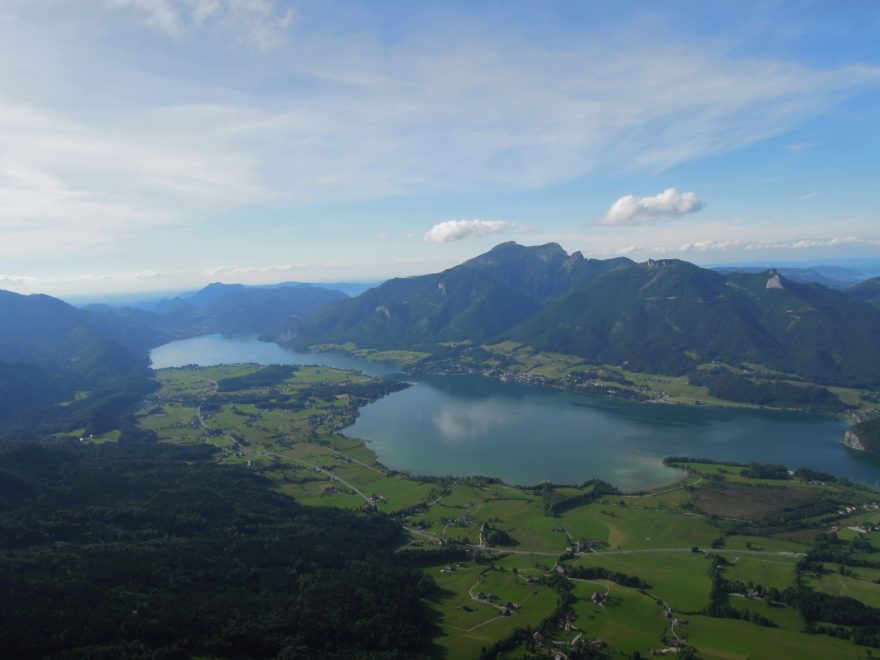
x=523 y=434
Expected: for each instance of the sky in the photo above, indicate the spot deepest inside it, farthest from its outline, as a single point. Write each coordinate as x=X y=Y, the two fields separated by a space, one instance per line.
x=150 y=145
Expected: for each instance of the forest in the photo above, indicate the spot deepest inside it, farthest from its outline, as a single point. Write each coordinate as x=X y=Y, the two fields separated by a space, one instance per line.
x=152 y=551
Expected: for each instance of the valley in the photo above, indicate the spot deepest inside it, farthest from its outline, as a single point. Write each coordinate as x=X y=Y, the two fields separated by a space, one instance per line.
x=551 y=456
x=716 y=562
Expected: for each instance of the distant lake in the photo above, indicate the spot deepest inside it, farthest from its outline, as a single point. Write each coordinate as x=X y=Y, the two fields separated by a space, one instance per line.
x=524 y=434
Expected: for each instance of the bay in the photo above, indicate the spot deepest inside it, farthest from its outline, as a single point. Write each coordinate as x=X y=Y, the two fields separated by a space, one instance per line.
x=525 y=434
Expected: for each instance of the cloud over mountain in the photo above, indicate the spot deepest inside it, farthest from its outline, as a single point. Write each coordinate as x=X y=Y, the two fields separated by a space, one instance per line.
x=633 y=210
x=456 y=230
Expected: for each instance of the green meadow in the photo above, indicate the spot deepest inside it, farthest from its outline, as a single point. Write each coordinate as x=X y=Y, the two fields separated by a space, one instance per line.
x=528 y=547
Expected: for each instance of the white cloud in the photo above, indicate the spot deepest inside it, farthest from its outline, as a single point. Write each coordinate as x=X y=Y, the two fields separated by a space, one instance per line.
x=106 y=136
x=632 y=210
x=68 y=185
x=259 y=22
x=456 y=230
x=741 y=247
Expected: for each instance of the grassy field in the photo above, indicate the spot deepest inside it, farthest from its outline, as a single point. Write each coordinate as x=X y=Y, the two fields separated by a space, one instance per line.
x=681 y=579
x=288 y=429
x=769 y=572
x=629 y=622
x=725 y=638
x=839 y=585
x=467 y=624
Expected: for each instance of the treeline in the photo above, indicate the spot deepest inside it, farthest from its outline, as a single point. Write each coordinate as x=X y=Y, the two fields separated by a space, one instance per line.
x=270 y=376
x=602 y=573
x=840 y=616
x=829 y=548
x=719 y=604
x=525 y=635
x=852 y=618
x=759 y=470
x=152 y=551
x=723 y=384
x=244 y=390
x=555 y=504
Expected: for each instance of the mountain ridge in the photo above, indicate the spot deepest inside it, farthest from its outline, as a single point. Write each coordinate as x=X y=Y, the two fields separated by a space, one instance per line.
x=664 y=316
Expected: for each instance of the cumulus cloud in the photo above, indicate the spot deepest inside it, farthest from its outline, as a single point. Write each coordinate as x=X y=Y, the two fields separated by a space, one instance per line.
x=633 y=210
x=456 y=230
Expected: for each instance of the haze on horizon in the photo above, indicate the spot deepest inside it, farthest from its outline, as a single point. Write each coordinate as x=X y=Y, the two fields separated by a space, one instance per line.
x=158 y=144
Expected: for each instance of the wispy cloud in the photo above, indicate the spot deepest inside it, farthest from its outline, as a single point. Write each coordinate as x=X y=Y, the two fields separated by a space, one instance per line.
x=92 y=162
x=745 y=246
x=632 y=210
x=262 y=23
x=456 y=230
x=68 y=185
x=802 y=146
x=807 y=196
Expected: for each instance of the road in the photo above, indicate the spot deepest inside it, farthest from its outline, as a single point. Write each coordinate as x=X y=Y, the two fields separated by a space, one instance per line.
x=333 y=476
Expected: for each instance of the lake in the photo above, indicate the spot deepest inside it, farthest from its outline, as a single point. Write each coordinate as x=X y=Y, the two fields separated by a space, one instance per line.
x=524 y=434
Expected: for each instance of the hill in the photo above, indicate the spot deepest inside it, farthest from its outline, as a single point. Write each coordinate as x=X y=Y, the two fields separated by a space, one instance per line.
x=62 y=367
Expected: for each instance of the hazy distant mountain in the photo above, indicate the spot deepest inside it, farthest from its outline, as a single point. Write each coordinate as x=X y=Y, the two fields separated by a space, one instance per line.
x=834 y=277
x=348 y=288
x=233 y=309
x=868 y=291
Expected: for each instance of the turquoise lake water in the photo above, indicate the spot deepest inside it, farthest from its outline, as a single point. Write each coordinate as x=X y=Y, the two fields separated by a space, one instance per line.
x=523 y=434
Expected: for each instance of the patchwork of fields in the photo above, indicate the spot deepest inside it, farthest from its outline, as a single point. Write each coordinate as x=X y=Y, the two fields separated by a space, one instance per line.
x=557 y=570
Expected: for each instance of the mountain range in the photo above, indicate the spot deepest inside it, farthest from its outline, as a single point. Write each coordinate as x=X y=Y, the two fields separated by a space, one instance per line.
x=80 y=367
x=664 y=316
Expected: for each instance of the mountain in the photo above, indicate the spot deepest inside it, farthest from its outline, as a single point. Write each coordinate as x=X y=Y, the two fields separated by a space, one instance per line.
x=833 y=277
x=665 y=316
x=541 y=272
x=867 y=291
x=668 y=316
x=348 y=288
x=474 y=301
x=233 y=309
x=61 y=366
x=459 y=304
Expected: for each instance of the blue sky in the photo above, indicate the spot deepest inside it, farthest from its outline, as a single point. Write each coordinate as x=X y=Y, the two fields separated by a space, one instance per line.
x=162 y=144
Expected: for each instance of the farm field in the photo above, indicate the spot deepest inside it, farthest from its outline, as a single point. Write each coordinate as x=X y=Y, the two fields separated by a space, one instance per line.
x=544 y=570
